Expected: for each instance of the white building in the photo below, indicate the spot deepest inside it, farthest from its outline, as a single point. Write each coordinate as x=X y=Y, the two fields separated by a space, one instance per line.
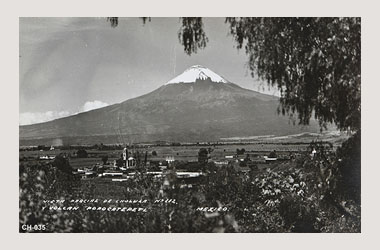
x=169 y=159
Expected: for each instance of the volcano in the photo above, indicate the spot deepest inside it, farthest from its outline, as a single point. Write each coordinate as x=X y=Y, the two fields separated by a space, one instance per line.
x=198 y=105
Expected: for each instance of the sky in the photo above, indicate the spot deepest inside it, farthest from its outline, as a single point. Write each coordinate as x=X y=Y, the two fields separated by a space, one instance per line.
x=71 y=65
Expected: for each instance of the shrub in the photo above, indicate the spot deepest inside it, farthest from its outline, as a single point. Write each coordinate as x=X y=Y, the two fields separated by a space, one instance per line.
x=81 y=153
x=240 y=151
x=203 y=155
x=62 y=164
x=104 y=159
x=349 y=185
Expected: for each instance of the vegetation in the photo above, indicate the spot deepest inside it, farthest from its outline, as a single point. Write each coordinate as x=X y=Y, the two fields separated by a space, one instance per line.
x=120 y=162
x=203 y=156
x=240 y=151
x=349 y=167
x=104 y=159
x=314 y=62
x=81 y=153
x=62 y=164
x=301 y=197
x=273 y=154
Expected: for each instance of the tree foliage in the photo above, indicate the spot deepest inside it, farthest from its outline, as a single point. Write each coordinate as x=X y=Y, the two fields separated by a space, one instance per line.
x=240 y=151
x=314 y=62
x=203 y=156
x=120 y=162
x=81 y=153
x=350 y=167
x=104 y=159
x=191 y=34
x=62 y=164
x=114 y=21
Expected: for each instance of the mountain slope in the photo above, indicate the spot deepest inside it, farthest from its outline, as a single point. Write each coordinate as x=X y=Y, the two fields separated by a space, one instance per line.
x=203 y=110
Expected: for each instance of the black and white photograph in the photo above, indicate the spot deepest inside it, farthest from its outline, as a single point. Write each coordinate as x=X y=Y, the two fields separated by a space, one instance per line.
x=190 y=124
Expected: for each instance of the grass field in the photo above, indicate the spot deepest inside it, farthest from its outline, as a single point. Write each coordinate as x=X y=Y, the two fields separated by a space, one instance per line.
x=187 y=153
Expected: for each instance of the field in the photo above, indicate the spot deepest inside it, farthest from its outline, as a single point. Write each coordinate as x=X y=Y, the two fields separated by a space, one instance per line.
x=187 y=153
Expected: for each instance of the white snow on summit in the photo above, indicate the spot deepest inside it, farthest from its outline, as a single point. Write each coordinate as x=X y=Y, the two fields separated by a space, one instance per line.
x=197 y=72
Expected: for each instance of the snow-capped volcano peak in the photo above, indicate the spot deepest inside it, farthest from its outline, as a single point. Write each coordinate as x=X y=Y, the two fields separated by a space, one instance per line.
x=197 y=72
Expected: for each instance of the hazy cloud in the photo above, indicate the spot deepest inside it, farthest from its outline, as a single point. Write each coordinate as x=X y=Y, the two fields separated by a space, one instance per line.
x=37 y=117
x=93 y=105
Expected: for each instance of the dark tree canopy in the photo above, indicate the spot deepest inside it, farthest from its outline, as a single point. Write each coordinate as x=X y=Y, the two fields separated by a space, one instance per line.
x=81 y=153
x=114 y=21
x=62 y=164
x=314 y=62
x=203 y=155
x=240 y=151
x=192 y=35
x=104 y=159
